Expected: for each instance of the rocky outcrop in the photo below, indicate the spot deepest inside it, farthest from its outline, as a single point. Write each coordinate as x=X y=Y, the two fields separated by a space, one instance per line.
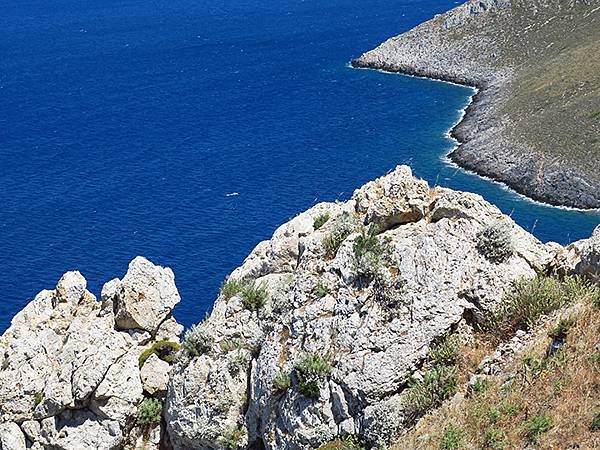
x=580 y=258
x=69 y=364
x=505 y=48
x=349 y=312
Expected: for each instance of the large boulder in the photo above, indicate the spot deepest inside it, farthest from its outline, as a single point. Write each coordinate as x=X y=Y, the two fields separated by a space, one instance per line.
x=372 y=318
x=69 y=376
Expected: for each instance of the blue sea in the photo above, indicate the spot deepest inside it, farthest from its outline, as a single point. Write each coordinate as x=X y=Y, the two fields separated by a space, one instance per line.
x=188 y=130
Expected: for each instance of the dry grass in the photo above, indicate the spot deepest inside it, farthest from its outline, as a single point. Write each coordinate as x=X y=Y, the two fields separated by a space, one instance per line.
x=563 y=388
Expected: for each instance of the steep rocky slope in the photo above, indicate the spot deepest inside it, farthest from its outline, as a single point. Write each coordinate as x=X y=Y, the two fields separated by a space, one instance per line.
x=535 y=122
x=356 y=321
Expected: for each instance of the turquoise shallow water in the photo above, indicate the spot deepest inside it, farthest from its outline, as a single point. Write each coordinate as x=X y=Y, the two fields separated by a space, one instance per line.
x=125 y=127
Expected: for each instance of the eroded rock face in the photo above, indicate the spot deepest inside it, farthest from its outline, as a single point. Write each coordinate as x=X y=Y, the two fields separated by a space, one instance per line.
x=374 y=331
x=69 y=376
x=581 y=258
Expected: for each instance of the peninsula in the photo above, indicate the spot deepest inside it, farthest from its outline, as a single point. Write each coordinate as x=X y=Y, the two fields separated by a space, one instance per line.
x=535 y=122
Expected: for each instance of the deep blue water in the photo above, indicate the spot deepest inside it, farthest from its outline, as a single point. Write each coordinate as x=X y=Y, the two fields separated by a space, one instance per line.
x=124 y=125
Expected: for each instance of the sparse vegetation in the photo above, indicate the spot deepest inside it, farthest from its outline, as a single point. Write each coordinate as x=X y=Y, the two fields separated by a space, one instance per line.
x=536 y=426
x=437 y=385
x=595 y=425
x=495 y=241
x=282 y=382
x=531 y=299
x=311 y=370
x=342 y=228
x=445 y=352
x=229 y=345
x=149 y=412
x=254 y=295
x=320 y=221
x=452 y=438
x=38 y=398
x=233 y=438
x=197 y=341
x=231 y=288
x=343 y=443
x=165 y=350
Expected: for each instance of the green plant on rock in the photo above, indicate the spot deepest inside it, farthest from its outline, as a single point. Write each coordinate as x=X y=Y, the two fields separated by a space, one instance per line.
x=311 y=370
x=444 y=352
x=370 y=252
x=254 y=295
x=197 y=341
x=321 y=290
x=437 y=385
x=452 y=438
x=495 y=241
x=165 y=350
x=494 y=439
x=149 y=412
x=231 y=288
x=233 y=438
x=595 y=425
x=320 y=221
x=341 y=229
x=281 y=382
x=536 y=427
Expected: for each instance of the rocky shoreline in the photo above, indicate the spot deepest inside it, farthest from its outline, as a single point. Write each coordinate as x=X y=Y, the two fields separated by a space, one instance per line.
x=457 y=47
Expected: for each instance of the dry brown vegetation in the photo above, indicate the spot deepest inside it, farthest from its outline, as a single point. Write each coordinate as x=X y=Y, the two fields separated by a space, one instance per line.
x=541 y=400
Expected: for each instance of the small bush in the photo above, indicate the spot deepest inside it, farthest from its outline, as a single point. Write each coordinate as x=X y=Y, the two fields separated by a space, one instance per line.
x=494 y=439
x=229 y=345
x=536 y=426
x=495 y=242
x=370 y=252
x=254 y=296
x=197 y=341
x=595 y=425
x=238 y=360
x=345 y=443
x=231 y=288
x=149 y=412
x=388 y=291
x=321 y=290
x=438 y=384
x=281 y=382
x=531 y=299
x=165 y=350
x=320 y=221
x=311 y=370
x=343 y=228
x=233 y=438
x=445 y=352
x=480 y=386
x=452 y=438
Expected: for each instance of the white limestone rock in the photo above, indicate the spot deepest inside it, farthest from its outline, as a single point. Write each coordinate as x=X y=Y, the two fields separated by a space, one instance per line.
x=155 y=375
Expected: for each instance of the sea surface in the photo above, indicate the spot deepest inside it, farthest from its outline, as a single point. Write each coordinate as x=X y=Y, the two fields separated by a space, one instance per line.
x=188 y=130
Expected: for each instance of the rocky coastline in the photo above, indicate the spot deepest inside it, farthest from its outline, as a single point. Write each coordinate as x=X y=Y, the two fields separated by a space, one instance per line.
x=316 y=336
x=467 y=46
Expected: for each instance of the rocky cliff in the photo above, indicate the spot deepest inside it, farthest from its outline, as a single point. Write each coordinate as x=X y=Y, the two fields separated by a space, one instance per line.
x=534 y=122
x=317 y=335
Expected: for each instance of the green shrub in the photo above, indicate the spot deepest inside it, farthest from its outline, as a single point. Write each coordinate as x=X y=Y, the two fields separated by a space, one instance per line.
x=231 y=288
x=149 y=412
x=529 y=300
x=344 y=443
x=370 y=252
x=495 y=242
x=165 y=350
x=321 y=290
x=445 y=352
x=452 y=438
x=254 y=295
x=536 y=426
x=342 y=228
x=438 y=384
x=320 y=221
x=197 y=341
x=281 y=382
x=494 y=439
x=481 y=385
x=233 y=438
x=311 y=370
x=595 y=425
x=229 y=345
